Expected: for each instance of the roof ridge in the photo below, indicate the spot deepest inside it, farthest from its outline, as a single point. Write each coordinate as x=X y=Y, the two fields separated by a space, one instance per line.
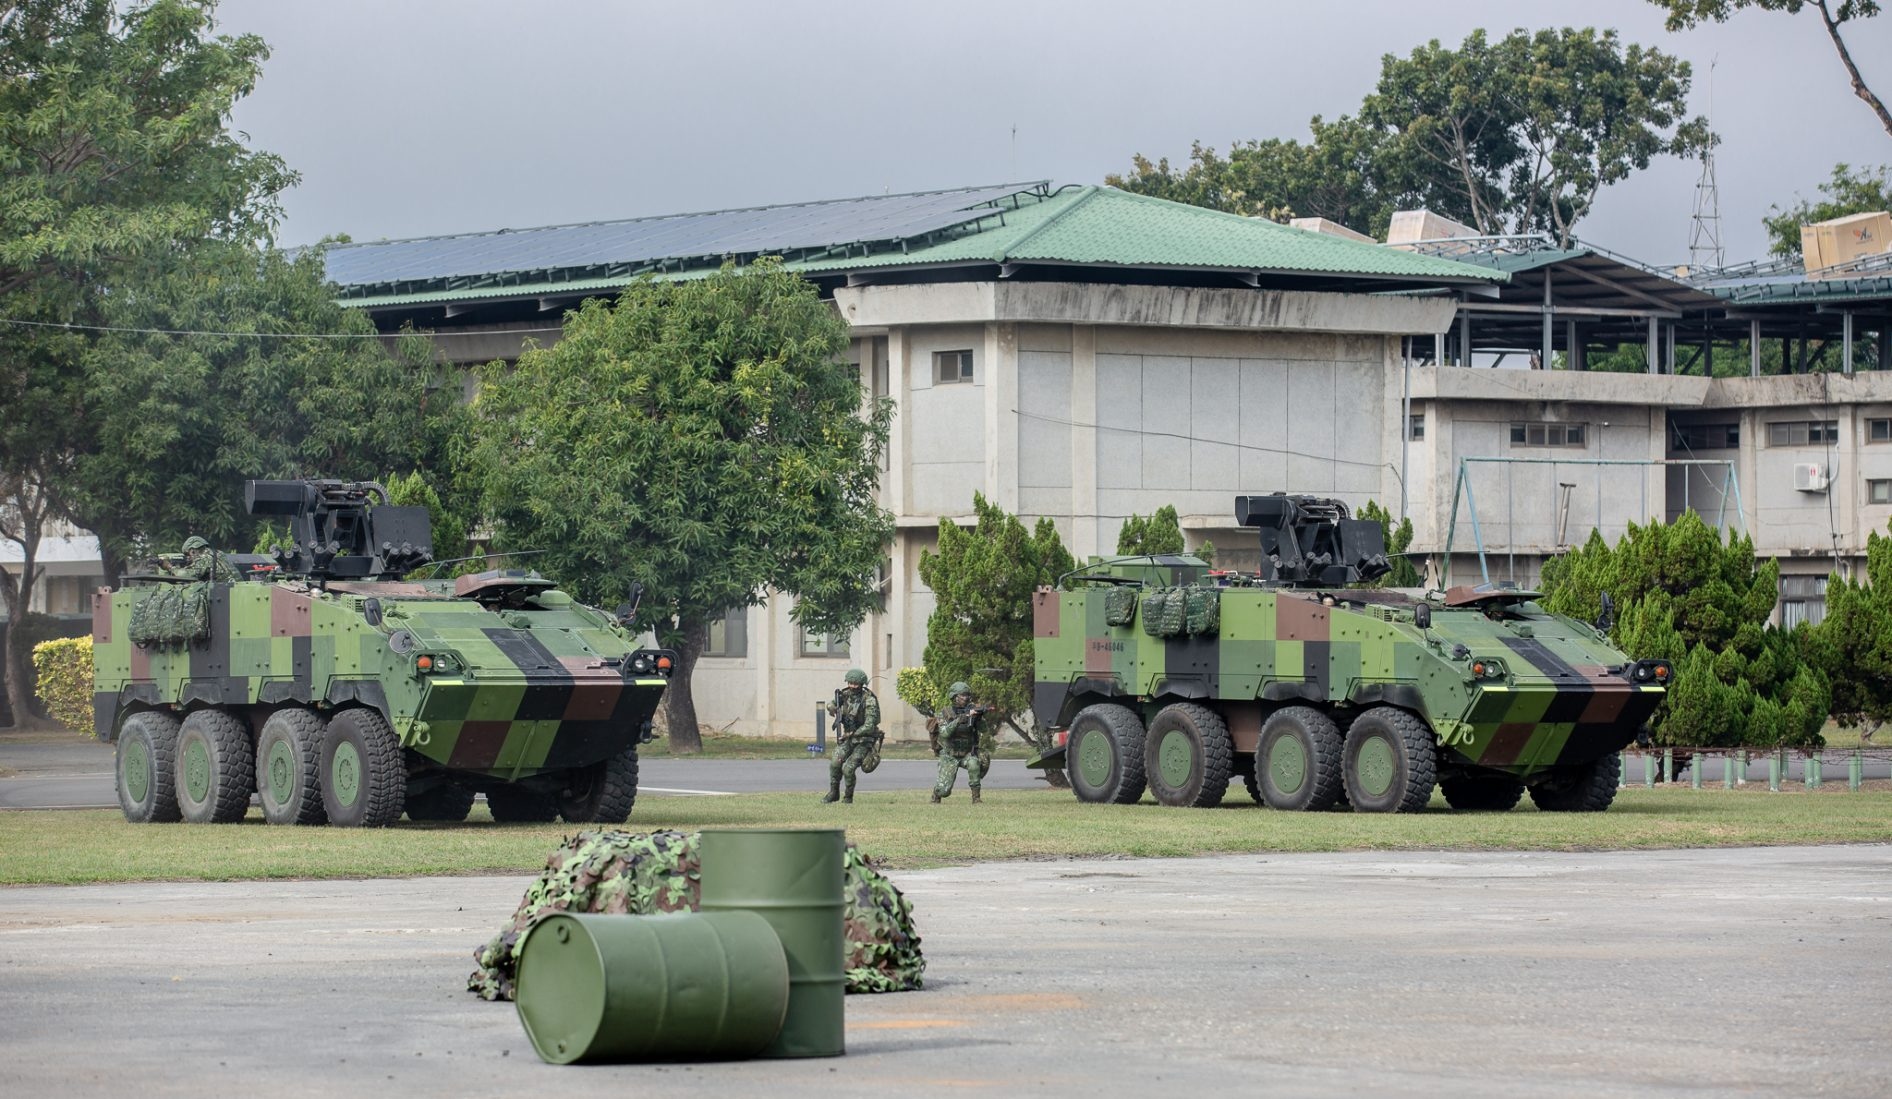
x=1021 y=185
x=1088 y=192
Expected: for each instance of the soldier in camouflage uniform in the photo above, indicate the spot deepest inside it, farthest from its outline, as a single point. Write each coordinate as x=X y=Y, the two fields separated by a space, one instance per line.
x=201 y=563
x=959 y=743
x=856 y=714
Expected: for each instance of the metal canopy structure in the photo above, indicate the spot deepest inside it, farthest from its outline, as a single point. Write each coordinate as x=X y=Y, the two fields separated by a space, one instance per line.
x=1569 y=301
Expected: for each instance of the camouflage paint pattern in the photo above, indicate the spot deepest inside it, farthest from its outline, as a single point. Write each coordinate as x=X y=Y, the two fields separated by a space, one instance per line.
x=1565 y=695
x=511 y=692
x=643 y=874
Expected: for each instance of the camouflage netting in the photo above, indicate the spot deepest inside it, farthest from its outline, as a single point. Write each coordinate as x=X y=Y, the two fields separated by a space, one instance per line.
x=1165 y=612
x=172 y=614
x=1204 y=613
x=639 y=874
x=1120 y=606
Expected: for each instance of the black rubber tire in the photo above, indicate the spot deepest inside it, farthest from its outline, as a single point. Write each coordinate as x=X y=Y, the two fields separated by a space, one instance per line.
x=445 y=802
x=1586 y=788
x=1245 y=767
x=513 y=804
x=1481 y=793
x=1412 y=755
x=152 y=737
x=380 y=777
x=1121 y=733
x=230 y=760
x=1211 y=754
x=602 y=793
x=300 y=732
x=1321 y=745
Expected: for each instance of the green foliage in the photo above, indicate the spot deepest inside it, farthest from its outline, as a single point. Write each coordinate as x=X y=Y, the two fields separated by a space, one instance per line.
x=1398 y=538
x=917 y=689
x=1847 y=192
x=1684 y=595
x=706 y=438
x=1160 y=533
x=982 y=581
x=1853 y=644
x=64 y=684
x=449 y=523
x=1518 y=135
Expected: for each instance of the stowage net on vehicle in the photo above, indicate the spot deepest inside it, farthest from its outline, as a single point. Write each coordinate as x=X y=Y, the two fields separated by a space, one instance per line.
x=643 y=873
x=1120 y=606
x=172 y=614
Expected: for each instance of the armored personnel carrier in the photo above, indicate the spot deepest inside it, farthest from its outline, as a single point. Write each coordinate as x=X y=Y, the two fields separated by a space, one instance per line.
x=1162 y=675
x=337 y=690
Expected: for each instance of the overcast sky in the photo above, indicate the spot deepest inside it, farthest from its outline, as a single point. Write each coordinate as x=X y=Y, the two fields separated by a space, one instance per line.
x=421 y=117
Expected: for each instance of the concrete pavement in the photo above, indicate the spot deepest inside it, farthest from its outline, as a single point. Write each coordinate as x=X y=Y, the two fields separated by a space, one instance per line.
x=1761 y=971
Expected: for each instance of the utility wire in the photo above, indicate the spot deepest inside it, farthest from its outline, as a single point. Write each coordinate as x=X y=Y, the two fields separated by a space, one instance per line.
x=257 y=335
x=1197 y=439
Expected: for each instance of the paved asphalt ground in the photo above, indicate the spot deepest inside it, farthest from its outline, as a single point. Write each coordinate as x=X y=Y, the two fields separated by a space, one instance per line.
x=1685 y=973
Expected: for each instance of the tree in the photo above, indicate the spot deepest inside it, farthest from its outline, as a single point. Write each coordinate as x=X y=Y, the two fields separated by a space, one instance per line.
x=1684 y=595
x=1160 y=533
x=1516 y=136
x=1854 y=641
x=169 y=426
x=114 y=153
x=1847 y=192
x=981 y=627
x=706 y=438
x=1398 y=538
x=24 y=510
x=1834 y=14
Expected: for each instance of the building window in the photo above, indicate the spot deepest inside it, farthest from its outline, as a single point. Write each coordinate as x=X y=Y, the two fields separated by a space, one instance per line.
x=1707 y=436
x=1879 y=431
x=1802 y=599
x=952 y=366
x=823 y=644
x=1416 y=427
x=1548 y=434
x=1879 y=491
x=729 y=635
x=1802 y=432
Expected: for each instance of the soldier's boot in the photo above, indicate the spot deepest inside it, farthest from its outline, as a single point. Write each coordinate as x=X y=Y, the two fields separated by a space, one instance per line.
x=936 y=796
x=848 y=798
x=833 y=794
x=975 y=795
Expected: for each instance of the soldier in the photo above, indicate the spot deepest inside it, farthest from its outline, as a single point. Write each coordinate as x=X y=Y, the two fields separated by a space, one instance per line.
x=958 y=743
x=856 y=714
x=202 y=563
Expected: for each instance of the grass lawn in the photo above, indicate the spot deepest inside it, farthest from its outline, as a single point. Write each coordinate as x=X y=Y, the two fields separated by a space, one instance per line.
x=906 y=831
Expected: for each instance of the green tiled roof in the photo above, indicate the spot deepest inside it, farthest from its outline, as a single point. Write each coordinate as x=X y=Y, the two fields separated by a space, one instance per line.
x=1088 y=226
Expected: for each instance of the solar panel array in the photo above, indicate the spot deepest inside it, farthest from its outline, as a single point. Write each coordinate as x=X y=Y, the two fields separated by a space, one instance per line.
x=761 y=230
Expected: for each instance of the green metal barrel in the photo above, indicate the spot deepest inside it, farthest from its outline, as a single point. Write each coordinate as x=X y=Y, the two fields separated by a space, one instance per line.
x=651 y=988
x=795 y=880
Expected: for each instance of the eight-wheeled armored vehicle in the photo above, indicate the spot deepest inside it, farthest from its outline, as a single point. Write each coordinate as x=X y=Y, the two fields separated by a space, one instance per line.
x=1315 y=690
x=336 y=689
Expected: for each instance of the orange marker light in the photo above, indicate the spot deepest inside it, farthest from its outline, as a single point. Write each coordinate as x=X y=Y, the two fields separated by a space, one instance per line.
x=1662 y=671
x=424 y=663
x=663 y=663
x=1478 y=669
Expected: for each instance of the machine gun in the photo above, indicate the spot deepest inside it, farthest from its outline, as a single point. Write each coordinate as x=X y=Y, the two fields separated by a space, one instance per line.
x=1312 y=541
x=342 y=530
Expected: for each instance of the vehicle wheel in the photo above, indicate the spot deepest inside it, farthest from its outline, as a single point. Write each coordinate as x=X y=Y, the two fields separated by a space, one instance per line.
x=1496 y=793
x=1298 y=760
x=1388 y=762
x=216 y=767
x=364 y=784
x=147 y=777
x=602 y=793
x=1245 y=767
x=1104 y=754
x=1587 y=788
x=289 y=767
x=514 y=804
x=1186 y=756
x=446 y=801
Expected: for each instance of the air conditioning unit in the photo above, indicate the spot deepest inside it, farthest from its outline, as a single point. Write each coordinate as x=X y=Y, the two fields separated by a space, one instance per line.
x=1809 y=477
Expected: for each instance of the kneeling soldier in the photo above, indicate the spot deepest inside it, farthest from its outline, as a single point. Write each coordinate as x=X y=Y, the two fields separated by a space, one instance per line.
x=959 y=743
x=856 y=714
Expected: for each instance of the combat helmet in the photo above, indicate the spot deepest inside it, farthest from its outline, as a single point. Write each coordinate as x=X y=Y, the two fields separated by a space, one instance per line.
x=856 y=677
x=194 y=543
x=959 y=688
